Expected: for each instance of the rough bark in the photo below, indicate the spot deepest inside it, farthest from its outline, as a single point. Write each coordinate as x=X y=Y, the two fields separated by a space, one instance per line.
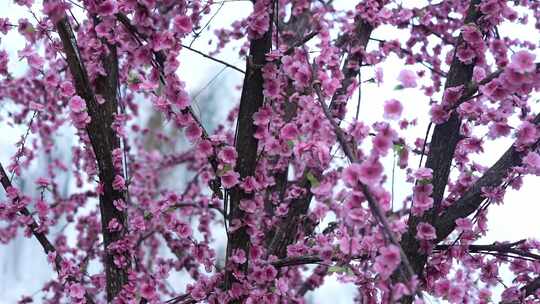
x=251 y=100
x=103 y=140
x=441 y=153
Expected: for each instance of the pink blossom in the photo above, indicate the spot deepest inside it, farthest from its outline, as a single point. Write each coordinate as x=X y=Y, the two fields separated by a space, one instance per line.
x=407 y=78
x=229 y=179
x=511 y=294
x=371 y=171
x=452 y=95
x=382 y=144
x=228 y=155
x=423 y=173
x=463 y=225
x=204 y=148
x=77 y=104
x=523 y=61
x=248 y=206
x=183 y=230
x=42 y=208
x=114 y=225
x=239 y=256
x=107 y=8
x=442 y=286
x=119 y=204
x=425 y=231
x=387 y=261
x=532 y=159
x=193 y=131
x=148 y=290
x=527 y=133
x=76 y=291
x=119 y=183
x=439 y=114
x=289 y=131
x=499 y=129
x=392 y=109
x=182 y=24
x=465 y=54
x=456 y=293
x=351 y=175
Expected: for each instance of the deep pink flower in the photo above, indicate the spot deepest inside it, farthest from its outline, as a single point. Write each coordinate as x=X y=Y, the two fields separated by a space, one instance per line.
x=229 y=179
x=532 y=159
x=228 y=155
x=107 y=8
x=77 y=104
x=289 y=131
x=471 y=34
x=425 y=231
x=351 y=175
x=248 y=206
x=439 y=114
x=423 y=173
x=456 y=293
x=464 y=225
x=239 y=256
x=193 y=131
x=382 y=144
x=527 y=133
x=499 y=129
x=148 y=290
x=387 y=261
x=182 y=24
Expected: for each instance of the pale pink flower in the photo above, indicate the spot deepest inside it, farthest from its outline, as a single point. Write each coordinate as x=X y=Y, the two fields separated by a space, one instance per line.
x=76 y=291
x=392 y=109
x=77 y=104
x=407 y=78
x=523 y=62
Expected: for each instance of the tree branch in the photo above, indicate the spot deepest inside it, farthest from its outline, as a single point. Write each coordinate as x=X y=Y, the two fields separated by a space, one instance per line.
x=470 y=201
x=103 y=140
x=47 y=246
x=252 y=98
x=441 y=153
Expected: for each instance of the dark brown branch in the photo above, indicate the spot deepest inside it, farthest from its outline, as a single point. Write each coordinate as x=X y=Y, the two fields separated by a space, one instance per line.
x=443 y=143
x=471 y=200
x=47 y=246
x=103 y=140
x=252 y=98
